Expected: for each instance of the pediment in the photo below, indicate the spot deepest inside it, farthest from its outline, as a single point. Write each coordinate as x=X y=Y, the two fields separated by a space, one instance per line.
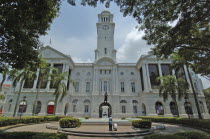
x=105 y=61
x=48 y=52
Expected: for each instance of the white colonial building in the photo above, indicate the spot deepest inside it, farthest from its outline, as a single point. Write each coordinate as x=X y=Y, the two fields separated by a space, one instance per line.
x=132 y=87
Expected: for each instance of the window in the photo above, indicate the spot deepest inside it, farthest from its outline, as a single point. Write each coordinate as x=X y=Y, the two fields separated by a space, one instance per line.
x=105 y=86
x=50 y=107
x=165 y=69
x=105 y=51
x=121 y=73
x=42 y=76
x=104 y=71
x=154 y=73
x=87 y=86
x=86 y=108
x=122 y=86
x=109 y=71
x=159 y=108
x=38 y=107
x=133 y=87
x=22 y=107
x=123 y=109
x=76 y=86
x=74 y=108
x=180 y=73
x=134 y=109
x=100 y=71
x=132 y=73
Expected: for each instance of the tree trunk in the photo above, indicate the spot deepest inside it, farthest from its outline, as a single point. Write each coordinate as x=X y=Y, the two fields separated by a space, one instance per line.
x=2 y=82
x=35 y=102
x=55 y=106
x=176 y=106
x=17 y=99
x=194 y=94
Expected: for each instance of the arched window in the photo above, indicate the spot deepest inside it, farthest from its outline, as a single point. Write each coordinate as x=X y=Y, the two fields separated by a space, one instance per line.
x=188 y=108
x=123 y=106
x=38 y=107
x=159 y=108
x=144 y=112
x=10 y=104
x=22 y=107
x=105 y=51
x=174 y=109
x=66 y=109
x=86 y=106
x=74 y=104
x=135 y=110
x=202 y=107
x=50 y=107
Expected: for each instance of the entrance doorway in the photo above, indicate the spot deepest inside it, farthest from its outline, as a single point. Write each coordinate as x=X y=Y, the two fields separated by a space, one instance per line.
x=103 y=112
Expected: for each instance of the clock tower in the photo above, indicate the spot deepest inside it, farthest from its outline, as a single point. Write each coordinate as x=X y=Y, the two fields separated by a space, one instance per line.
x=105 y=36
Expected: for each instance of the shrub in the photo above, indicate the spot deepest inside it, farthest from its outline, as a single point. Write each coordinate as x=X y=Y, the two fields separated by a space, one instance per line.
x=31 y=135
x=193 y=135
x=141 y=123
x=86 y=117
x=6 y=121
x=123 y=118
x=202 y=123
x=69 y=123
x=163 y=136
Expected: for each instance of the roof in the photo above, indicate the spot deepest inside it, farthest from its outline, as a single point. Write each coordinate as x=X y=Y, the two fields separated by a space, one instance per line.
x=6 y=85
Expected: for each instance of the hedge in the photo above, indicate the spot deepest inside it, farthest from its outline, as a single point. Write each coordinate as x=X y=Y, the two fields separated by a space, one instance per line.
x=31 y=135
x=69 y=122
x=141 y=123
x=179 y=135
x=202 y=123
x=6 y=121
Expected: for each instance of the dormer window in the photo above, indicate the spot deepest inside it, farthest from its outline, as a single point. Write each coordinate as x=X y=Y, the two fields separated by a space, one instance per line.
x=105 y=51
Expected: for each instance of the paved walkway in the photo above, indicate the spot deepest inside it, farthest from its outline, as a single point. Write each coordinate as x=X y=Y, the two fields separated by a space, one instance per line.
x=92 y=128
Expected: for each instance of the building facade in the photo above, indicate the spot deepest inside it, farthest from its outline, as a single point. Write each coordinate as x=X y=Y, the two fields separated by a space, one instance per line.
x=132 y=88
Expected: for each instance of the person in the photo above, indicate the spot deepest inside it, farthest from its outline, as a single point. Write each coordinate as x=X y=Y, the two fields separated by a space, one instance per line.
x=110 y=123
x=115 y=126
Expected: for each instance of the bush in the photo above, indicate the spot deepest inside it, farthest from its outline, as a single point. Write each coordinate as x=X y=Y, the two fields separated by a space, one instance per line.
x=202 y=123
x=141 y=123
x=193 y=135
x=123 y=118
x=31 y=135
x=69 y=123
x=86 y=117
x=179 y=135
x=163 y=136
x=6 y=121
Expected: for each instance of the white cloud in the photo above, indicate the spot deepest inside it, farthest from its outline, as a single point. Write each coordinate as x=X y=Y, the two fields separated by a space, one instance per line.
x=133 y=47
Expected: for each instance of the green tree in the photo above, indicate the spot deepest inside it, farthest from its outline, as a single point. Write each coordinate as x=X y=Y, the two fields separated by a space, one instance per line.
x=26 y=74
x=21 y=24
x=59 y=82
x=170 y=86
x=188 y=35
x=207 y=96
x=44 y=74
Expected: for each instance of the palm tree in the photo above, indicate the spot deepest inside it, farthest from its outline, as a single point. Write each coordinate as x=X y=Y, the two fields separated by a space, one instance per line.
x=58 y=80
x=26 y=74
x=179 y=62
x=44 y=73
x=4 y=73
x=170 y=86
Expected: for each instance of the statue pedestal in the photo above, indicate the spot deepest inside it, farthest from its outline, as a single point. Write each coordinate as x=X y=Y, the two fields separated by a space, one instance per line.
x=105 y=111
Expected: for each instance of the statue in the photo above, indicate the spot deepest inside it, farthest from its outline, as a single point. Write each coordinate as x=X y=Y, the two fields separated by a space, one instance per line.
x=105 y=97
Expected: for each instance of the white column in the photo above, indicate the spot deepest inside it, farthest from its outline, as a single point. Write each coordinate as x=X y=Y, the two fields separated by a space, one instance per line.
x=187 y=77
x=148 y=78
x=36 y=80
x=48 y=83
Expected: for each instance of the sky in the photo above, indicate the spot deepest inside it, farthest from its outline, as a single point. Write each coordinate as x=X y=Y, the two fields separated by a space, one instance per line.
x=73 y=33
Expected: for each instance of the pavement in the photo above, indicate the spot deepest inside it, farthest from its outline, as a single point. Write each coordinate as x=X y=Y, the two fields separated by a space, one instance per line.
x=170 y=129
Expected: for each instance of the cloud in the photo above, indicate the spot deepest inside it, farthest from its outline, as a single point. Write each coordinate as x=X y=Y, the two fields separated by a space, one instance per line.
x=206 y=83
x=133 y=47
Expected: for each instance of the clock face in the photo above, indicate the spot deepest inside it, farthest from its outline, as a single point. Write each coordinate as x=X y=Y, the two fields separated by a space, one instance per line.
x=105 y=27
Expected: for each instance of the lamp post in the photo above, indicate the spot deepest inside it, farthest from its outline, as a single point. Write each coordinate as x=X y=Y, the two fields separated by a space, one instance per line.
x=22 y=107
